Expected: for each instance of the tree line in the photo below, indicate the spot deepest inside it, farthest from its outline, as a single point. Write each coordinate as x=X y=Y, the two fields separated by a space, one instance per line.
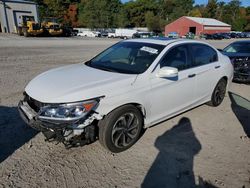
x=154 y=14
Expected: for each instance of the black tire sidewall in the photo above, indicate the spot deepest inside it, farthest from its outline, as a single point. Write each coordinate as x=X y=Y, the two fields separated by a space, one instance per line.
x=106 y=127
x=214 y=103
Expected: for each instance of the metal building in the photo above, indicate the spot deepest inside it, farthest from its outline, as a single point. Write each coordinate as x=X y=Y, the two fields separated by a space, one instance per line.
x=197 y=26
x=11 y=12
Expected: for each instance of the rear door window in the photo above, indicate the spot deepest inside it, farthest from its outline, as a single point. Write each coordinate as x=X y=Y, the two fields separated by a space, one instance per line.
x=203 y=54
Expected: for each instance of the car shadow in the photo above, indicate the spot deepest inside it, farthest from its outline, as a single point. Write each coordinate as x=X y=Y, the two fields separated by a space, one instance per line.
x=173 y=166
x=13 y=131
x=241 y=109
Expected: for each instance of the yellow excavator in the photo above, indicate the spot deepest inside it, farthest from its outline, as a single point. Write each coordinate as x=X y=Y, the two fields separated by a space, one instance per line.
x=51 y=27
x=29 y=27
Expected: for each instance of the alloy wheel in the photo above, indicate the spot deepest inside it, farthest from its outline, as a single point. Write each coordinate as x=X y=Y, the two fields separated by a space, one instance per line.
x=219 y=93
x=125 y=130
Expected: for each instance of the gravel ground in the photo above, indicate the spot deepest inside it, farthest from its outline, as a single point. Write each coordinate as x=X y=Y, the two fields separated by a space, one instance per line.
x=206 y=147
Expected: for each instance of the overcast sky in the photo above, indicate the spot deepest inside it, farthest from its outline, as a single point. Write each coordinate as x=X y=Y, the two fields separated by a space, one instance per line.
x=243 y=2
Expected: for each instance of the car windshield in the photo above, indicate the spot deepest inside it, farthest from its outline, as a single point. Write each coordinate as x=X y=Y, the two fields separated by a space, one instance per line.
x=127 y=57
x=238 y=48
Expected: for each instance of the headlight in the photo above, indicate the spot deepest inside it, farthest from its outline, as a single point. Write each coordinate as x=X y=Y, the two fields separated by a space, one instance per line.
x=67 y=112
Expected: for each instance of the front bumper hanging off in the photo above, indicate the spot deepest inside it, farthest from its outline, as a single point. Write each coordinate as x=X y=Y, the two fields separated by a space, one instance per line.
x=65 y=132
x=52 y=131
x=29 y=116
x=32 y=119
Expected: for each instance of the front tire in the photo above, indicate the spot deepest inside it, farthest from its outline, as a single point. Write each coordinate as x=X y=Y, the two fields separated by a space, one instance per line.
x=121 y=129
x=218 y=93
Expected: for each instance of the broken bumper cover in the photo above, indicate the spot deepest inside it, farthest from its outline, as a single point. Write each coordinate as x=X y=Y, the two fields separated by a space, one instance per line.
x=28 y=115
x=67 y=132
x=31 y=118
x=241 y=69
x=53 y=131
x=242 y=76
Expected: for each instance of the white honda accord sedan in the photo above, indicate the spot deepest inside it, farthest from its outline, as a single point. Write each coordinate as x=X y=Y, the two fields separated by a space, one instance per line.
x=127 y=88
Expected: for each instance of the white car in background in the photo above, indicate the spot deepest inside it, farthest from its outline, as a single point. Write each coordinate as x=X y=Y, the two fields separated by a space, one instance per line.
x=129 y=87
x=122 y=33
x=111 y=35
x=88 y=34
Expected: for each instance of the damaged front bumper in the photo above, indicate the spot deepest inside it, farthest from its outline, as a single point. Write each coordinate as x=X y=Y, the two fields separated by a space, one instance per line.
x=241 y=69
x=32 y=119
x=242 y=76
x=70 y=133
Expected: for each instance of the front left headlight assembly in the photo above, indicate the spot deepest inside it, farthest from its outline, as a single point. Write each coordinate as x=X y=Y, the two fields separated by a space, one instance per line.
x=67 y=112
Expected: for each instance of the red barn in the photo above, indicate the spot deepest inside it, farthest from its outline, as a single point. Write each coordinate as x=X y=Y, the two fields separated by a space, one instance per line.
x=197 y=26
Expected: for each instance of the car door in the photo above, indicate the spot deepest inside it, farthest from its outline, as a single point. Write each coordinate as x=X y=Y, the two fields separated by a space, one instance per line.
x=170 y=96
x=206 y=68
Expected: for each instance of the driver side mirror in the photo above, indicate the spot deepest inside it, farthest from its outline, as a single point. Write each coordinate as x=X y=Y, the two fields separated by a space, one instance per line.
x=167 y=72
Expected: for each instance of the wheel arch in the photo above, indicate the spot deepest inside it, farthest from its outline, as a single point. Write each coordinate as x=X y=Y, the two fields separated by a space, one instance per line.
x=139 y=106
x=211 y=101
x=224 y=78
x=105 y=127
x=227 y=82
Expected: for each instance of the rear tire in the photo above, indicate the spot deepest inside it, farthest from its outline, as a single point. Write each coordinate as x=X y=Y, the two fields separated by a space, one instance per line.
x=218 y=93
x=121 y=129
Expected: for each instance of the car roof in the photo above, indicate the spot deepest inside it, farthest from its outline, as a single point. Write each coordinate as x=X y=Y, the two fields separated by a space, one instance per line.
x=162 y=40
x=242 y=41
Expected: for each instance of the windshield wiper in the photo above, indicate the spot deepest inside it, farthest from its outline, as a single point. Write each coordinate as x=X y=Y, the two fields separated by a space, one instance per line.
x=89 y=63
x=104 y=68
x=110 y=69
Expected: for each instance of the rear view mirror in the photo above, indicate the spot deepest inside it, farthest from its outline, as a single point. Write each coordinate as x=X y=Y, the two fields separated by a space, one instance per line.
x=167 y=72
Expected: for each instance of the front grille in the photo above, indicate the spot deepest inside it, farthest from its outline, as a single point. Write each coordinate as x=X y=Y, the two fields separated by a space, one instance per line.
x=241 y=63
x=241 y=68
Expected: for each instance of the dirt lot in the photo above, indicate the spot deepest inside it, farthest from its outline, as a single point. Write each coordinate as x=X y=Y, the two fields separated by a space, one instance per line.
x=206 y=147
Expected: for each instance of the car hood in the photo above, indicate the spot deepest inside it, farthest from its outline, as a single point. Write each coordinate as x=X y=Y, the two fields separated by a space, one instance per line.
x=77 y=83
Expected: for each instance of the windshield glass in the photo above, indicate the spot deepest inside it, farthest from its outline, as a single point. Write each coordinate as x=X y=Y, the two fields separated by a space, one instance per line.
x=127 y=57
x=238 y=48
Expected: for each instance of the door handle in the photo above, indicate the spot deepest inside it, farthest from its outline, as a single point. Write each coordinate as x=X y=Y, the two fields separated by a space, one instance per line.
x=191 y=75
x=216 y=67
